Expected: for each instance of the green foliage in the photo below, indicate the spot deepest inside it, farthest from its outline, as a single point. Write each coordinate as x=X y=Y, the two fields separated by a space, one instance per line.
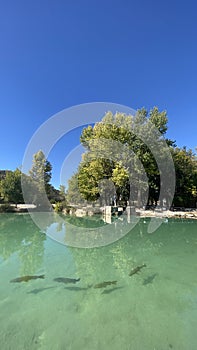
x=6 y=208
x=54 y=195
x=38 y=181
x=62 y=191
x=86 y=136
x=159 y=119
x=126 y=134
x=73 y=195
x=41 y=171
x=136 y=134
x=120 y=175
x=10 y=187
x=59 y=206
x=186 y=177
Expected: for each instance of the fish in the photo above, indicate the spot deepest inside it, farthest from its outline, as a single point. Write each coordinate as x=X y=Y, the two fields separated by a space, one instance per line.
x=66 y=280
x=149 y=279
x=104 y=284
x=26 y=278
x=136 y=269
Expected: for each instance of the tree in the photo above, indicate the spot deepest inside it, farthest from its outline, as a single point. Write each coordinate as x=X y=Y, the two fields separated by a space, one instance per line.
x=10 y=187
x=62 y=191
x=40 y=175
x=127 y=135
x=41 y=171
x=186 y=177
x=73 y=195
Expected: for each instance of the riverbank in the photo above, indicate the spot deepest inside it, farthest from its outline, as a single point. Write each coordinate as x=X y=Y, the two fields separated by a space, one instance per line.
x=187 y=214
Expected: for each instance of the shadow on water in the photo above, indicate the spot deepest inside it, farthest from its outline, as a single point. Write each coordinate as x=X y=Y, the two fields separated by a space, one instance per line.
x=77 y=289
x=39 y=290
x=149 y=279
x=109 y=291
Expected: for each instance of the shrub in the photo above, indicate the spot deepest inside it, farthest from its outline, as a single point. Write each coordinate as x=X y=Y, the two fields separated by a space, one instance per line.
x=6 y=208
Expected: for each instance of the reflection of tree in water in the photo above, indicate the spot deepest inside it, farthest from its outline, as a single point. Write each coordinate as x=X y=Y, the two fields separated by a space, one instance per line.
x=86 y=221
x=93 y=265
x=105 y=262
x=60 y=226
x=90 y=262
x=122 y=260
x=31 y=253
x=18 y=234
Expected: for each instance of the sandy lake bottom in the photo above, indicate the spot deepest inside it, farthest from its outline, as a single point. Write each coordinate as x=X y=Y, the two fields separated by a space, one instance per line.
x=155 y=309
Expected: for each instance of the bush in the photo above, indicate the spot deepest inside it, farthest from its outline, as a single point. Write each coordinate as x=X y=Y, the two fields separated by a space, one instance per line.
x=59 y=206
x=6 y=208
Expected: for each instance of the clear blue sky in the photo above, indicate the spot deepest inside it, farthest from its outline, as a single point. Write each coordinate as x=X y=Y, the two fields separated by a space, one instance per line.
x=58 y=53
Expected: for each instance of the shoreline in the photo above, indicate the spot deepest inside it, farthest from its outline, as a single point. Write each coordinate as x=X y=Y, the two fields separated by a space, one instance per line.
x=87 y=211
x=167 y=214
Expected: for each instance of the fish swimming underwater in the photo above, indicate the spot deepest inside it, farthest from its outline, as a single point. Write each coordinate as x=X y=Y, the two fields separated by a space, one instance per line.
x=26 y=278
x=104 y=284
x=136 y=269
x=66 y=280
x=149 y=279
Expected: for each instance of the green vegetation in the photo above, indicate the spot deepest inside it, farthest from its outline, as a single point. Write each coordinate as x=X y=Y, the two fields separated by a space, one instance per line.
x=118 y=166
x=186 y=177
x=35 y=184
x=40 y=172
x=129 y=140
x=10 y=187
x=126 y=134
x=6 y=208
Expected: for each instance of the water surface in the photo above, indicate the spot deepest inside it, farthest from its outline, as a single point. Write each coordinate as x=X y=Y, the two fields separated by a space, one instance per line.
x=155 y=309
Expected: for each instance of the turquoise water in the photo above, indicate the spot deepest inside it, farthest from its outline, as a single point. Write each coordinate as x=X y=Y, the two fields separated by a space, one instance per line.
x=153 y=310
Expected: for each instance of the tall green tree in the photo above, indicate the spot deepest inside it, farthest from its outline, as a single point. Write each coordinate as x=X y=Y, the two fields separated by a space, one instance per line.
x=73 y=195
x=62 y=191
x=186 y=177
x=128 y=135
x=40 y=176
x=41 y=171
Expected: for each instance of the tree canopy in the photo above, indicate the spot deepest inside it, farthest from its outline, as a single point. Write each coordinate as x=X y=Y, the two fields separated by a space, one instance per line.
x=41 y=171
x=123 y=158
x=126 y=160
x=186 y=177
x=132 y=153
x=10 y=187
